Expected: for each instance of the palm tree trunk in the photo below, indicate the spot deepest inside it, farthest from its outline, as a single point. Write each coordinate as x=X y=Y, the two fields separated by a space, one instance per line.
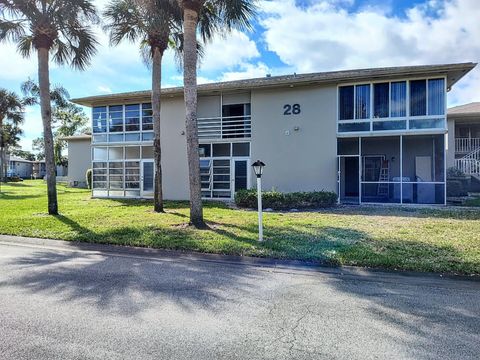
x=156 y=107
x=190 y=92
x=46 y=109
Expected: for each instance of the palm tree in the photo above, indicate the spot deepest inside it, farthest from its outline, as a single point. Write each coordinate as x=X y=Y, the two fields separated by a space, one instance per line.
x=221 y=15
x=155 y=23
x=61 y=28
x=11 y=114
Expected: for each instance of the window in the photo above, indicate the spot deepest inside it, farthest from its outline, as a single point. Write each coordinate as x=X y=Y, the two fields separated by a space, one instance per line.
x=221 y=150
x=147 y=152
x=115 y=118
x=115 y=153
x=436 y=97
x=132 y=117
x=204 y=150
x=99 y=119
x=346 y=102
x=418 y=98
x=99 y=175
x=147 y=120
x=241 y=149
x=381 y=100
x=100 y=153
x=399 y=99
x=362 y=101
x=115 y=175
x=132 y=152
x=236 y=110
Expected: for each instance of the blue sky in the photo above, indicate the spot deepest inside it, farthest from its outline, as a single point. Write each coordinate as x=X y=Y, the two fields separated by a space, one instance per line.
x=289 y=36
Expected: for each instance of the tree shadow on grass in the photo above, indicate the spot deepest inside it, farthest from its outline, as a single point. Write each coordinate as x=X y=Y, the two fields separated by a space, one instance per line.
x=9 y=195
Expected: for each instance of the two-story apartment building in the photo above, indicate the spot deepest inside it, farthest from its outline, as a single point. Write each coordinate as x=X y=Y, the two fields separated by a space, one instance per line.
x=371 y=135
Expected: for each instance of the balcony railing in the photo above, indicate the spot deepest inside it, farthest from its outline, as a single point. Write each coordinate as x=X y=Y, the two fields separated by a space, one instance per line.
x=466 y=145
x=225 y=128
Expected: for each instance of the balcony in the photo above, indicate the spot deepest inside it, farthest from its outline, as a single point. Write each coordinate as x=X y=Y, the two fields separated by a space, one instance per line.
x=233 y=127
x=466 y=145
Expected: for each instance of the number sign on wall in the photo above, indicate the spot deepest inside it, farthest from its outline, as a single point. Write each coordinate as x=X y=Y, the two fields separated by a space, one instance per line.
x=291 y=109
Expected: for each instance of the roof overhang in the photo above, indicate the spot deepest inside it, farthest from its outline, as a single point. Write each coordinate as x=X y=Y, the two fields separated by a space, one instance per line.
x=453 y=72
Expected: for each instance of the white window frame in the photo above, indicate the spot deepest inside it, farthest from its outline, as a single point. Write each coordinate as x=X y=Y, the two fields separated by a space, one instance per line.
x=407 y=118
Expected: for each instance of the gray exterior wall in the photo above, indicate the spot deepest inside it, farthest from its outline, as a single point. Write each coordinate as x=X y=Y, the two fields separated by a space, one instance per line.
x=302 y=160
x=79 y=161
x=174 y=149
x=451 y=143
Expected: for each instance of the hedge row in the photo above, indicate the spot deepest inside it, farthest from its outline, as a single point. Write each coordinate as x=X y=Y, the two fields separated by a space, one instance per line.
x=283 y=201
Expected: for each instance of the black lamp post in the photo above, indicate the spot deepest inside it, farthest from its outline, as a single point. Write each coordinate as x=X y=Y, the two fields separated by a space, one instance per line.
x=258 y=169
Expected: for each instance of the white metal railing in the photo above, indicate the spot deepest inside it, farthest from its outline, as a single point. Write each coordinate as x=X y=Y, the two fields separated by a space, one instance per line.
x=466 y=145
x=225 y=128
x=468 y=166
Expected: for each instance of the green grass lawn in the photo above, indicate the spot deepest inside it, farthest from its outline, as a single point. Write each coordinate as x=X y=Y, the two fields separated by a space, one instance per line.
x=440 y=240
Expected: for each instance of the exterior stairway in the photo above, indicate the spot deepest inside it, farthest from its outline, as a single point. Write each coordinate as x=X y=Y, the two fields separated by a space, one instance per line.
x=470 y=163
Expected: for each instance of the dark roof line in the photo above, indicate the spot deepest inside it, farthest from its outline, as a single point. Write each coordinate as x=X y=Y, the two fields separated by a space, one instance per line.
x=455 y=71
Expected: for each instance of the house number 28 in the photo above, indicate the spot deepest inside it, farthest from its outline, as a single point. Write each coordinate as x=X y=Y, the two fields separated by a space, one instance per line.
x=291 y=109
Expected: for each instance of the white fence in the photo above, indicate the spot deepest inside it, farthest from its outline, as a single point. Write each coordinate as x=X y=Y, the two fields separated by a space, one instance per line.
x=225 y=128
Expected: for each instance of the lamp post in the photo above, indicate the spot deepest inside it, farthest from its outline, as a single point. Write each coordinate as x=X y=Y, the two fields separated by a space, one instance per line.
x=258 y=169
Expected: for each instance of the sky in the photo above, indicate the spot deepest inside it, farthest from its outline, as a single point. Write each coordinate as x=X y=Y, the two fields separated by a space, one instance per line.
x=288 y=36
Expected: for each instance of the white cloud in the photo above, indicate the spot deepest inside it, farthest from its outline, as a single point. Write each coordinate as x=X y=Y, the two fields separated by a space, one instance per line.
x=323 y=37
x=228 y=51
x=247 y=71
x=104 y=89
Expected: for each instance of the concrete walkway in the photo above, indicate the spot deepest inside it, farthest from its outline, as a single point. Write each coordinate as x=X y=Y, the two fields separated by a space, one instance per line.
x=61 y=300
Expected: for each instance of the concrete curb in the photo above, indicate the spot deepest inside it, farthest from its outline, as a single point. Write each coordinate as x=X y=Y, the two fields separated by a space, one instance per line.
x=290 y=266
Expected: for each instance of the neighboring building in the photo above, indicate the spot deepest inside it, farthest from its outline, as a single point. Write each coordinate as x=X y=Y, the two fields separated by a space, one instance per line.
x=372 y=135
x=19 y=167
x=79 y=159
x=40 y=169
x=464 y=135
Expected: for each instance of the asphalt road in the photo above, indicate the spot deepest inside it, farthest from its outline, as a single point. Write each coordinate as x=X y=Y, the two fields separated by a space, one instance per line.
x=68 y=302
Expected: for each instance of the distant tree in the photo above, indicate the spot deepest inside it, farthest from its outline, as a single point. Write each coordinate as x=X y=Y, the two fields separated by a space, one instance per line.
x=68 y=120
x=11 y=116
x=61 y=28
x=27 y=155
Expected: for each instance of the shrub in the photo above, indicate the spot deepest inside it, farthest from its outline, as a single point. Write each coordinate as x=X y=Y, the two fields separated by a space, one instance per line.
x=88 y=177
x=283 y=201
x=454 y=172
x=456 y=188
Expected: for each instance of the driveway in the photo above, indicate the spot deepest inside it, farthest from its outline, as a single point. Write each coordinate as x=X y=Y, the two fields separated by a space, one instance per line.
x=67 y=301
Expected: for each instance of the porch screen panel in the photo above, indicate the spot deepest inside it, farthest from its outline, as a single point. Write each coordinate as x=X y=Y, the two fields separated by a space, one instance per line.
x=346 y=101
x=362 y=101
x=381 y=93
x=436 y=97
x=115 y=118
x=418 y=98
x=398 y=99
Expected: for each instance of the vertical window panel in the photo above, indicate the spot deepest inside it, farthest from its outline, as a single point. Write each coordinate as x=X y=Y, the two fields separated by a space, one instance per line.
x=381 y=98
x=99 y=119
x=346 y=102
x=436 y=97
x=418 y=97
x=362 y=101
x=398 y=99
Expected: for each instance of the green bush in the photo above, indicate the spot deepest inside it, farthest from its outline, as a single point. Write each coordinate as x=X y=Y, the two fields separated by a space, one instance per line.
x=456 y=188
x=454 y=172
x=88 y=177
x=284 y=201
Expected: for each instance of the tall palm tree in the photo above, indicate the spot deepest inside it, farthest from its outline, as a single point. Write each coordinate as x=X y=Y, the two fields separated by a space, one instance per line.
x=222 y=15
x=11 y=113
x=61 y=28
x=155 y=23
